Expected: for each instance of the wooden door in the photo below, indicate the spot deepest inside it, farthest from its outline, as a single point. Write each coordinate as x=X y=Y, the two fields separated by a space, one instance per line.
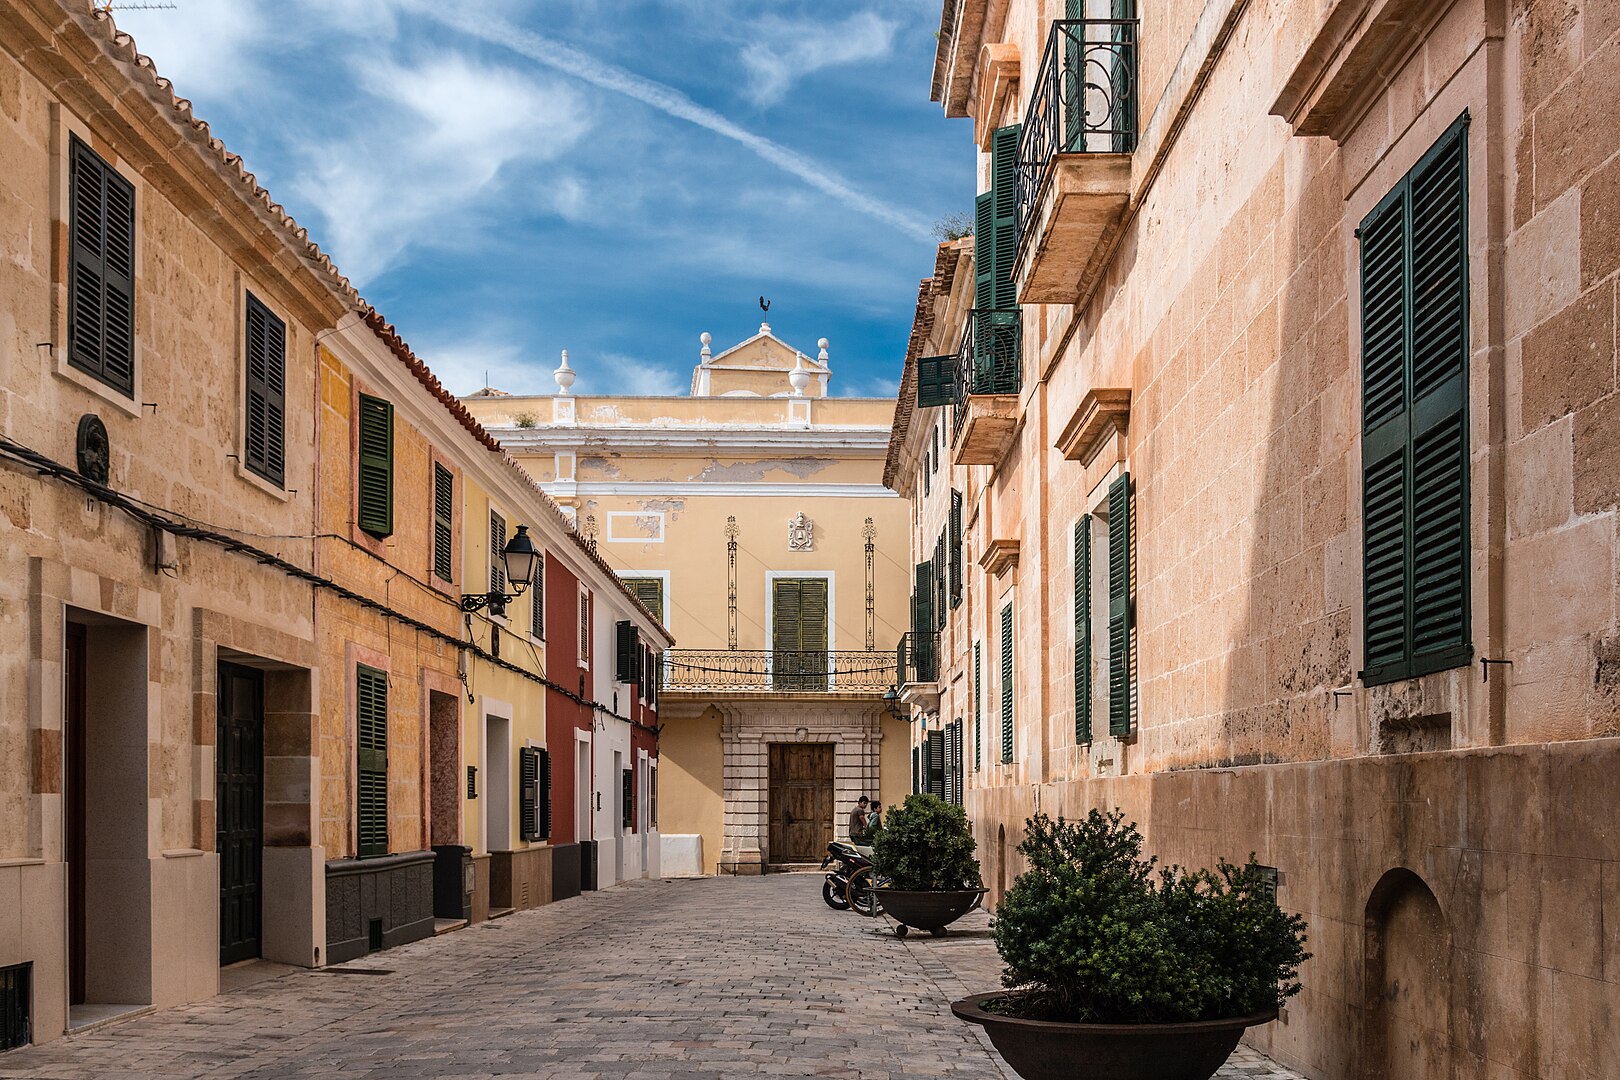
x=801 y=800
x=73 y=825
x=799 y=634
x=239 y=809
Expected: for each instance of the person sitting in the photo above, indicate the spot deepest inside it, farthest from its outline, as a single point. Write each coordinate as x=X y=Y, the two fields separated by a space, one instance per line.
x=857 y=822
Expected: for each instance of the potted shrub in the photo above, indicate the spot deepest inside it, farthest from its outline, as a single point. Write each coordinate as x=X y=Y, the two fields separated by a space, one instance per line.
x=1115 y=972
x=923 y=856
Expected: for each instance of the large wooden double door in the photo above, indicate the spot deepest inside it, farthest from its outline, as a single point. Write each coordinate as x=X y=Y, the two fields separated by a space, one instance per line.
x=801 y=780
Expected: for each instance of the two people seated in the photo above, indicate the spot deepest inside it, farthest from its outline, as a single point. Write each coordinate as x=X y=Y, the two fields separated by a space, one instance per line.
x=866 y=817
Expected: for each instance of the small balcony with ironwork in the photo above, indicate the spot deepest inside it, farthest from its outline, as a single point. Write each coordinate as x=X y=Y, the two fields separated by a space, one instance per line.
x=769 y=672
x=917 y=660
x=985 y=389
x=1074 y=156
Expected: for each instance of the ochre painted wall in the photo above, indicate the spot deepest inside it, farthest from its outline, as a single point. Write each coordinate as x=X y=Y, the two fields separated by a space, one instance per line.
x=689 y=791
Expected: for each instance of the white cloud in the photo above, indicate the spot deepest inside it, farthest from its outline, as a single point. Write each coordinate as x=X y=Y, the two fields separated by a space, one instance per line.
x=412 y=167
x=207 y=49
x=668 y=100
x=617 y=373
x=786 y=51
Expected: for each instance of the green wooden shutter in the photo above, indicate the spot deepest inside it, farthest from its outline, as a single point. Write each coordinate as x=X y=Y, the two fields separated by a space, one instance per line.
x=1120 y=690
x=625 y=642
x=528 y=794
x=1122 y=95
x=629 y=800
x=101 y=270
x=956 y=548
x=537 y=597
x=376 y=477
x=936 y=763
x=799 y=633
x=444 y=516
x=984 y=250
x=1004 y=187
x=916 y=770
x=922 y=622
x=1082 y=630
x=1074 y=79
x=1414 y=284
x=497 y=544
x=544 y=792
x=941 y=588
x=650 y=591
x=264 y=443
x=934 y=375
x=371 y=774
x=1007 y=683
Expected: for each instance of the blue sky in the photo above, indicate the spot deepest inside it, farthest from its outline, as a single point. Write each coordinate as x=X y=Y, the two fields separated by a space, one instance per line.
x=612 y=177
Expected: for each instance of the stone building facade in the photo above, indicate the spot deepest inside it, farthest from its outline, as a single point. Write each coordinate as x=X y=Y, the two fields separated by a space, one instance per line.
x=749 y=516
x=1280 y=389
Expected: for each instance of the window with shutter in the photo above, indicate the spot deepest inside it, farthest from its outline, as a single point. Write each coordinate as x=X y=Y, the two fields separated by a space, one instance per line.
x=444 y=516
x=1007 y=683
x=934 y=375
x=584 y=628
x=650 y=591
x=371 y=773
x=537 y=597
x=528 y=794
x=941 y=589
x=995 y=247
x=916 y=770
x=497 y=543
x=936 y=763
x=629 y=800
x=1121 y=614
x=1414 y=436
x=799 y=633
x=375 y=418
x=544 y=793
x=956 y=548
x=264 y=443
x=1082 y=630
x=101 y=270
x=625 y=640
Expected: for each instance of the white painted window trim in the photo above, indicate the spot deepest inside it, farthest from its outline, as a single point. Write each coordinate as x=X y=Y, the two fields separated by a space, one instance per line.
x=614 y=514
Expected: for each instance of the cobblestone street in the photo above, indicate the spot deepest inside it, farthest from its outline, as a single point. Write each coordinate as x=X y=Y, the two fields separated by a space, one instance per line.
x=691 y=978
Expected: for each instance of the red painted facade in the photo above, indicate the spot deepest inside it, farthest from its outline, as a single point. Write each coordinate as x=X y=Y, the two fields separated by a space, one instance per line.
x=564 y=715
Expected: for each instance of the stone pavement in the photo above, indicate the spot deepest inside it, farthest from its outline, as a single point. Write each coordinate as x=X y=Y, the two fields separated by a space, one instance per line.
x=716 y=978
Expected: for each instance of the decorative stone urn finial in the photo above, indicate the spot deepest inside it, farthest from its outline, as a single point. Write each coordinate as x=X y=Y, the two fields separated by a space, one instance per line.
x=564 y=375
x=799 y=377
x=822 y=356
x=705 y=338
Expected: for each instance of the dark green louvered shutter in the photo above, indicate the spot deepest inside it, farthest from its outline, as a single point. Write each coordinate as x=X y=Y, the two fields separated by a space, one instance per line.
x=650 y=591
x=799 y=633
x=1007 y=683
x=936 y=763
x=1074 y=78
x=984 y=250
x=1082 y=630
x=537 y=597
x=941 y=565
x=916 y=770
x=528 y=794
x=371 y=773
x=1120 y=613
x=497 y=544
x=1004 y=186
x=264 y=446
x=101 y=270
x=1122 y=95
x=956 y=548
x=544 y=793
x=934 y=375
x=978 y=709
x=1414 y=285
x=376 y=477
x=625 y=660
x=444 y=516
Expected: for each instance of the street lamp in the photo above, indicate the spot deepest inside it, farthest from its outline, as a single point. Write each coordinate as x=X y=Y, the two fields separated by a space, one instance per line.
x=518 y=558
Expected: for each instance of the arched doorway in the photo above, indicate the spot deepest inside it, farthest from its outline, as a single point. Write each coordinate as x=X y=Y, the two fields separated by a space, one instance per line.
x=1406 y=982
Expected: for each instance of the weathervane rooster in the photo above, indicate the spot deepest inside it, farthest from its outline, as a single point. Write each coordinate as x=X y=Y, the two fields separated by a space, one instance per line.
x=764 y=305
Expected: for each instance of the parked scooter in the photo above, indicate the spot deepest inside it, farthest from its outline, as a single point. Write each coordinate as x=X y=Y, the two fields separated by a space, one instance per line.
x=835 y=890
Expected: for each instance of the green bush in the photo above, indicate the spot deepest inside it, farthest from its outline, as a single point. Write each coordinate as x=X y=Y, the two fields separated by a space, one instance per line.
x=1090 y=934
x=926 y=844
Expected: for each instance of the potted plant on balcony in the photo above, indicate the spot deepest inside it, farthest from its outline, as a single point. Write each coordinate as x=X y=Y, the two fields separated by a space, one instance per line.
x=923 y=856
x=1132 y=974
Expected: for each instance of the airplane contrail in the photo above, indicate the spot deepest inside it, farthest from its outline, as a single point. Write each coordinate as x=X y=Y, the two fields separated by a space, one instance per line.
x=667 y=99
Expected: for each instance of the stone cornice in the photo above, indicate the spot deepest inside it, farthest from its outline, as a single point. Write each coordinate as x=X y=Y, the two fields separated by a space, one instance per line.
x=1103 y=411
x=848 y=442
x=999 y=556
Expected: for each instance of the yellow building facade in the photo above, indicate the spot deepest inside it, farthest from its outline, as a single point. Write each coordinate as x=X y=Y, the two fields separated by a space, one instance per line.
x=751 y=517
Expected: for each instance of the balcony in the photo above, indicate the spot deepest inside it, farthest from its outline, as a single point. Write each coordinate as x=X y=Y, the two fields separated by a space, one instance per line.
x=771 y=671
x=917 y=660
x=985 y=390
x=1074 y=157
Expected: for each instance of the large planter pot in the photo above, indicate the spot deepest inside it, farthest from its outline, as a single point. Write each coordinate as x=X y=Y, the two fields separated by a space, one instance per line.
x=932 y=910
x=1046 y=1050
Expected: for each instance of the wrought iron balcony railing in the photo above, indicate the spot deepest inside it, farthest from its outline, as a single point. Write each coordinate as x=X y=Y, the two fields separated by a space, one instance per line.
x=989 y=360
x=757 y=670
x=1084 y=100
x=917 y=657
